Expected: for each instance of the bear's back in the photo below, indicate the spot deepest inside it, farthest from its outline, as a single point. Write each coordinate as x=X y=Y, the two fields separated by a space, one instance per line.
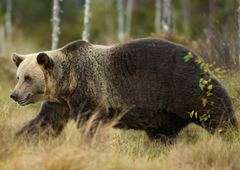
x=142 y=71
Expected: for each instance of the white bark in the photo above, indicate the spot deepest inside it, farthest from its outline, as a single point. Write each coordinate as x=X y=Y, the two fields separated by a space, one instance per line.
x=2 y=40
x=87 y=21
x=167 y=17
x=120 y=21
x=56 y=24
x=9 y=20
x=239 y=30
x=129 y=18
x=158 y=16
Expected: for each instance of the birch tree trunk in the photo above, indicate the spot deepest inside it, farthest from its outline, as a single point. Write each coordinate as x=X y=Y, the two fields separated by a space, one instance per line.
x=120 y=21
x=167 y=17
x=129 y=18
x=2 y=40
x=87 y=21
x=238 y=10
x=56 y=24
x=186 y=5
x=212 y=14
x=9 y=20
x=158 y=16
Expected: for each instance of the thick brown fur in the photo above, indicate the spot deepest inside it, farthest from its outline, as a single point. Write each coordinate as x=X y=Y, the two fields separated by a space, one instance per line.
x=147 y=76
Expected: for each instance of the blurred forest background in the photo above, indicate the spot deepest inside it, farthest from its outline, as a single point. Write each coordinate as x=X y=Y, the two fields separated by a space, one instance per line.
x=207 y=26
x=192 y=20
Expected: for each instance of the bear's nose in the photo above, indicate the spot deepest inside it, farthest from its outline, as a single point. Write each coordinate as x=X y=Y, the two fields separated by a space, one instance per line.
x=14 y=96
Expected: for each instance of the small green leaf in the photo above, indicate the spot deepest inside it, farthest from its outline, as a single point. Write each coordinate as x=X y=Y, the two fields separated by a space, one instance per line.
x=210 y=87
x=198 y=60
x=205 y=118
x=209 y=94
x=216 y=70
x=219 y=76
x=191 y=114
x=204 y=101
x=201 y=80
x=205 y=82
x=206 y=67
x=202 y=65
x=201 y=86
x=188 y=57
x=196 y=115
x=211 y=74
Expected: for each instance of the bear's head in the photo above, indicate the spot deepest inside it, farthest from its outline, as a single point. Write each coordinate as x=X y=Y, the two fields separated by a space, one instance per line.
x=31 y=75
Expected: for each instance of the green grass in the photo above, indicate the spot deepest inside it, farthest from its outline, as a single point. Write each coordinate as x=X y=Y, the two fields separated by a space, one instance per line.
x=110 y=148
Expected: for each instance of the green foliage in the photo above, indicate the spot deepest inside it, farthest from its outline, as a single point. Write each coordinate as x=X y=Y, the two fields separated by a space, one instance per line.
x=204 y=101
x=198 y=60
x=205 y=83
x=191 y=114
x=204 y=117
x=188 y=57
x=202 y=83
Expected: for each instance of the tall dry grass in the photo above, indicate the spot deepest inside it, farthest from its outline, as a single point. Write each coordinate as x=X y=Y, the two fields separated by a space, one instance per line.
x=109 y=148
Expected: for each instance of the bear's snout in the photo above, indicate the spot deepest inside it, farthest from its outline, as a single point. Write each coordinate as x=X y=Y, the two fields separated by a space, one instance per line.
x=14 y=96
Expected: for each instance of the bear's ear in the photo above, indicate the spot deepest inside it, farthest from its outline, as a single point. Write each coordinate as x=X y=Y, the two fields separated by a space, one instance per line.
x=17 y=58
x=45 y=60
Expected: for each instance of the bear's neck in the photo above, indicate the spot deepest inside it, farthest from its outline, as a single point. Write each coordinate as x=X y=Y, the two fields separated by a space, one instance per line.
x=76 y=73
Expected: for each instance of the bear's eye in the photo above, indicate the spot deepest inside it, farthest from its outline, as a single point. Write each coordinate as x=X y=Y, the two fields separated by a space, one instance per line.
x=27 y=78
x=17 y=78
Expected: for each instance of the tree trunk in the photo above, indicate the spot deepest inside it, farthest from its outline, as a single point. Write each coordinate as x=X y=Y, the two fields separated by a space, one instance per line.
x=129 y=18
x=167 y=17
x=212 y=14
x=87 y=23
x=9 y=20
x=120 y=21
x=158 y=16
x=109 y=21
x=56 y=24
x=186 y=4
x=238 y=10
x=2 y=40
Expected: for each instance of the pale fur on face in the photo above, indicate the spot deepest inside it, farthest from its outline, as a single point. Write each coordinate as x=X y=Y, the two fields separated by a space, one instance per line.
x=31 y=84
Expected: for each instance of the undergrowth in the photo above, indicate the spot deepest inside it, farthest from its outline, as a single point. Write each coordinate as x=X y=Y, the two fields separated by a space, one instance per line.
x=110 y=148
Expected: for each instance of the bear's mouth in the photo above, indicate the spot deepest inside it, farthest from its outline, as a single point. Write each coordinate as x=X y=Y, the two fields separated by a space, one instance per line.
x=23 y=102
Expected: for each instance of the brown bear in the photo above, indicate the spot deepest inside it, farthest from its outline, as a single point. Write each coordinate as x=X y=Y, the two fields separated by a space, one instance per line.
x=149 y=77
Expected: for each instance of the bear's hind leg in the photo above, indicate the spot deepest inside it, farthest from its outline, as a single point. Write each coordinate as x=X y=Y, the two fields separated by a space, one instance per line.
x=49 y=122
x=169 y=125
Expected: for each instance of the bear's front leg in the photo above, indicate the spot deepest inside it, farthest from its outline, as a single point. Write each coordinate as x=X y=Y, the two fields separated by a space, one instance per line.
x=49 y=122
x=90 y=116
